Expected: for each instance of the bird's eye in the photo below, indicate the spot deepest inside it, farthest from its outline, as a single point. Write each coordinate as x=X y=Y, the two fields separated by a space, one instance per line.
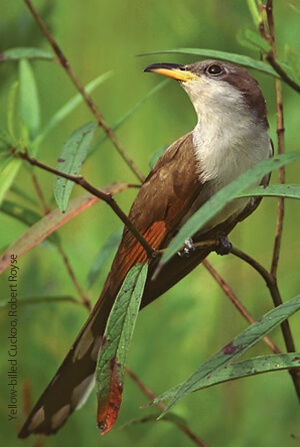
x=214 y=70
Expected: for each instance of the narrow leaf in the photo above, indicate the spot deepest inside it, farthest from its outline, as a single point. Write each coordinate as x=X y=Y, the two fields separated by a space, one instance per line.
x=287 y=191
x=8 y=170
x=71 y=160
x=254 y=11
x=105 y=253
x=66 y=109
x=127 y=116
x=239 y=370
x=242 y=343
x=29 y=102
x=43 y=228
x=114 y=348
x=15 y=54
x=219 y=200
x=239 y=59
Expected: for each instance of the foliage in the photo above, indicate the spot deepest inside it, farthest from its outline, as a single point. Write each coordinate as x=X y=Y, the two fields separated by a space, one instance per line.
x=41 y=116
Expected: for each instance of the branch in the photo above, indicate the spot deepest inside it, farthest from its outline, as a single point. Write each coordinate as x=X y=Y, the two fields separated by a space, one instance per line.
x=280 y=141
x=284 y=76
x=100 y=119
x=100 y=193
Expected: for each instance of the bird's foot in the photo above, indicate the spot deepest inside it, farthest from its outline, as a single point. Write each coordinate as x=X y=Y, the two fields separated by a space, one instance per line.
x=187 y=249
x=224 y=247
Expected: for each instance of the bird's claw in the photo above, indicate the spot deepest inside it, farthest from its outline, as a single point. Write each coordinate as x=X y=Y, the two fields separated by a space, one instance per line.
x=224 y=247
x=187 y=249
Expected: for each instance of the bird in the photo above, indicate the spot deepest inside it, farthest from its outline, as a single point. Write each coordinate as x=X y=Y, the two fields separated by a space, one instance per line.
x=230 y=137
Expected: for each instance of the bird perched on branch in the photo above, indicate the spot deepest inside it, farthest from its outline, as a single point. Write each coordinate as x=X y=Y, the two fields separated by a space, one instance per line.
x=230 y=137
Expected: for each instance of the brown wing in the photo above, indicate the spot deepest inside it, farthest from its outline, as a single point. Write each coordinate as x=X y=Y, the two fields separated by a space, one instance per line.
x=164 y=199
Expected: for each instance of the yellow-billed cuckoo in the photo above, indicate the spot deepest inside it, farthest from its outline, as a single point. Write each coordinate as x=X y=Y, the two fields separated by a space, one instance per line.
x=230 y=137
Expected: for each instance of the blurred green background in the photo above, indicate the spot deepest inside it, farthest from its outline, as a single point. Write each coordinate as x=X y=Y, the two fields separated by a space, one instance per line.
x=192 y=321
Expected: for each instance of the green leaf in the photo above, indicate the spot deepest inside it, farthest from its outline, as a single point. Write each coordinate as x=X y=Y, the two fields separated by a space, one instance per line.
x=104 y=255
x=15 y=54
x=71 y=160
x=156 y=155
x=44 y=227
x=239 y=370
x=287 y=191
x=29 y=102
x=8 y=170
x=222 y=55
x=66 y=109
x=242 y=343
x=115 y=344
x=254 y=11
x=253 y=40
x=219 y=200
x=11 y=110
x=127 y=115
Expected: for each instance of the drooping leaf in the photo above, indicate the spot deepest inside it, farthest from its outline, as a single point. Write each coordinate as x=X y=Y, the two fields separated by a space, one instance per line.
x=219 y=200
x=287 y=191
x=71 y=160
x=242 y=343
x=44 y=227
x=253 y=40
x=66 y=109
x=114 y=348
x=29 y=101
x=239 y=59
x=15 y=54
x=9 y=167
x=104 y=255
x=239 y=370
x=127 y=116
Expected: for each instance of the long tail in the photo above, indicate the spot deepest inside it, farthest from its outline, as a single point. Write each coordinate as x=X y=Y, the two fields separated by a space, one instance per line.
x=74 y=379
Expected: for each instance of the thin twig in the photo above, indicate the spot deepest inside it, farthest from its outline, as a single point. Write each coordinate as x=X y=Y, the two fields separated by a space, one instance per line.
x=280 y=138
x=162 y=406
x=40 y=194
x=85 y=301
x=234 y=299
x=100 y=119
x=101 y=194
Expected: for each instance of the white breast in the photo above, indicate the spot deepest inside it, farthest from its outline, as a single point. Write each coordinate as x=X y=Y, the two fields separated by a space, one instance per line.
x=228 y=141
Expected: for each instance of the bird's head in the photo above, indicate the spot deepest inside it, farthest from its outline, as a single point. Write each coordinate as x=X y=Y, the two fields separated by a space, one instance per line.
x=217 y=86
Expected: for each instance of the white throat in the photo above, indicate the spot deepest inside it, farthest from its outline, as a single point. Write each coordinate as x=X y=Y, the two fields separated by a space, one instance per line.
x=228 y=138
